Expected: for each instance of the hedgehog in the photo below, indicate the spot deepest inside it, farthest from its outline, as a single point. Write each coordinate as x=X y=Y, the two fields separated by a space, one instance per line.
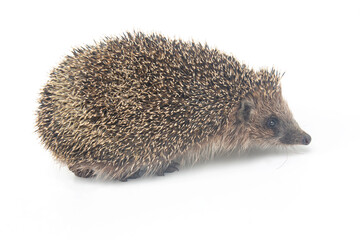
x=143 y=104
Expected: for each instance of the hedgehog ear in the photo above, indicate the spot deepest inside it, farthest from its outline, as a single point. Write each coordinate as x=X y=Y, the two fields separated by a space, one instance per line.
x=244 y=111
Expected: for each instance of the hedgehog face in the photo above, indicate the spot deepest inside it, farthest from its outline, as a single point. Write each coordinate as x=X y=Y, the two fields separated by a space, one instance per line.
x=268 y=122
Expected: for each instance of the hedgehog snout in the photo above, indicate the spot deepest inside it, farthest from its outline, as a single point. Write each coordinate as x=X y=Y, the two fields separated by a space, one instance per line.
x=296 y=137
x=306 y=139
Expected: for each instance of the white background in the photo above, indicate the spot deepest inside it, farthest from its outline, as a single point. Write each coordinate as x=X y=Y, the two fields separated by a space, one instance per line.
x=306 y=193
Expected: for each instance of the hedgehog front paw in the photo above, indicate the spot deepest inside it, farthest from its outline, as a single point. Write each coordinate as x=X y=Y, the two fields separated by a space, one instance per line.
x=169 y=169
x=84 y=173
x=172 y=167
x=135 y=175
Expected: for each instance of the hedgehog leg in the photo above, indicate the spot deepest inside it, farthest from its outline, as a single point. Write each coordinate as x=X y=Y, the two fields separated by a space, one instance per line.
x=82 y=172
x=172 y=167
x=127 y=172
x=137 y=174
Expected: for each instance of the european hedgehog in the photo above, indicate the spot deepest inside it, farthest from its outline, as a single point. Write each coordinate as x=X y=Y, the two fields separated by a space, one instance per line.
x=145 y=105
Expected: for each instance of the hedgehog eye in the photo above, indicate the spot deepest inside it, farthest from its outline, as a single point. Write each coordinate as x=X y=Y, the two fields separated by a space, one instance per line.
x=272 y=122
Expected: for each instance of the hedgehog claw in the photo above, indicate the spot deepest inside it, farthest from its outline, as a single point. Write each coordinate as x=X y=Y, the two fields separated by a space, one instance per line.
x=135 y=175
x=171 y=168
x=85 y=173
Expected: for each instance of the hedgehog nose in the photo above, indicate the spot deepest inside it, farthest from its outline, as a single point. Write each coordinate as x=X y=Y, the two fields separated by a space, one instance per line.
x=306 y=139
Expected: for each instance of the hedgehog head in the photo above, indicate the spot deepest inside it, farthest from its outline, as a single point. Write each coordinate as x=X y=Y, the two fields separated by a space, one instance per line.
x=265 y=117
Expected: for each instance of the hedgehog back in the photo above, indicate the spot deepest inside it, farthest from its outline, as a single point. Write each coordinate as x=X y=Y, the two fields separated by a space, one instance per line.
x=138 y=97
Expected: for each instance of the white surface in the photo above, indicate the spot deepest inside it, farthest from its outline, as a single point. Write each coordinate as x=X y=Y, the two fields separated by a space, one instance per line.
x=309 y=193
